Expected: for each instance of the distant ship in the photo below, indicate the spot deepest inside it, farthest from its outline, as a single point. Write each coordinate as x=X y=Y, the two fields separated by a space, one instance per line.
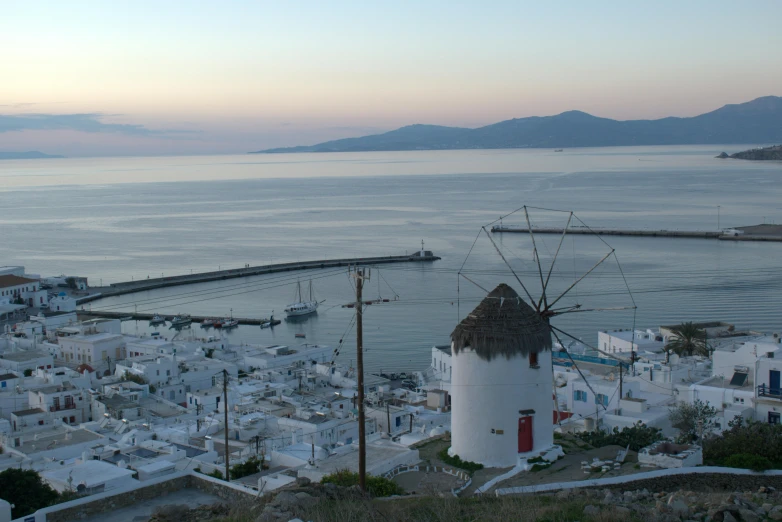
x=156 y=320
x=302 y=307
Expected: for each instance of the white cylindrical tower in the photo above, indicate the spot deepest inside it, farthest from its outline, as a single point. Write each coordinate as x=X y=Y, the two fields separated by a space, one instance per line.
x=502 y=383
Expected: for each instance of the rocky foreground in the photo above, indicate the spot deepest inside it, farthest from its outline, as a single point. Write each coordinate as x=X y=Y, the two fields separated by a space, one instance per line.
x=316 y=502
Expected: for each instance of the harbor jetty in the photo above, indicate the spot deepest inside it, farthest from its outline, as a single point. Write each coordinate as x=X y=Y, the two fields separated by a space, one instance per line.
x=139 y=316
x=750 y=233
x=129 y=287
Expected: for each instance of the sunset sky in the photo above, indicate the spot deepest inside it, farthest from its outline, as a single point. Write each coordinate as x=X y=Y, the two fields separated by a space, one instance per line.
x=177 y=77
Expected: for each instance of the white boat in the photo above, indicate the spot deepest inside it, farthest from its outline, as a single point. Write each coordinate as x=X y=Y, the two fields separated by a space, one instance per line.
x=230 y=323
x=181 y=320
x=302 y=307
x=156 y=320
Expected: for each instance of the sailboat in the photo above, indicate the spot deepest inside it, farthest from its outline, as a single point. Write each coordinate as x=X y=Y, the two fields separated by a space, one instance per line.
x=302 y=307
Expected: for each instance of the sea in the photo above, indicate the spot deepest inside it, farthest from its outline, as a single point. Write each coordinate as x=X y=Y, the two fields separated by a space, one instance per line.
x=123 y=218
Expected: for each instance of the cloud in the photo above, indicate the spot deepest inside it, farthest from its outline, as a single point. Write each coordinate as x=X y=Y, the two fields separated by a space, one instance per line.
x=88 y=122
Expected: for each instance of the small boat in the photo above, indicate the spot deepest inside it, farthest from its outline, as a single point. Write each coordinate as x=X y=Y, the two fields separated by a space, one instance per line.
x=156 y=320
x=271 y=321
x=208 y=323
x=302 y=307
x=125 y=319
x=230 y=323
x=300 y=335
x=558 y=150
x=181 y=320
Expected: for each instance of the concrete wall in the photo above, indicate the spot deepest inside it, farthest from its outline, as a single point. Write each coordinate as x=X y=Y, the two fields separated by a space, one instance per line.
x=705 y=478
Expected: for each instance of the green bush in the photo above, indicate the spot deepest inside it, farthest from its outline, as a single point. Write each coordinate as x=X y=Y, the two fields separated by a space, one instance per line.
x=248 y=467
x=765 y=440
x=748 y=461
x=456 y=462
x=637 y=436
x=376 y=486
x=26 y=490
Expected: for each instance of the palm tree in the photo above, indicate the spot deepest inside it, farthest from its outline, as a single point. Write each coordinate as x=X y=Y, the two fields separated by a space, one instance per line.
x=687 y=339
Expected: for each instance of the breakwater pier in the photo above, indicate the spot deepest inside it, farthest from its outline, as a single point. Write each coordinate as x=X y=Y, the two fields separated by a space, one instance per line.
x=752 y=233
x=140 y=316
x=129 y=287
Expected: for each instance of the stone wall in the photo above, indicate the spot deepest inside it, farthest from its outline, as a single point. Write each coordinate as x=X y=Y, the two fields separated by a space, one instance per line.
x=95 y=506
x=117 y=499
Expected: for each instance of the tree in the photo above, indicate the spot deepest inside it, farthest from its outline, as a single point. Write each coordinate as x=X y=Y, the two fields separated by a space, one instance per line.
x=692 y=420
x=687 y=339
x=28 y=372
x=26 y=491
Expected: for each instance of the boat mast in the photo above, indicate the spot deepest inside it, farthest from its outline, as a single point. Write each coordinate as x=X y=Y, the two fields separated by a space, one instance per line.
x=298 y=289
x=310 y=290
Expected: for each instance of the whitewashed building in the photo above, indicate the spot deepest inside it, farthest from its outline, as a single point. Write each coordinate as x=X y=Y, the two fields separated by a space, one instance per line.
x=502 y=384
x=13 y=287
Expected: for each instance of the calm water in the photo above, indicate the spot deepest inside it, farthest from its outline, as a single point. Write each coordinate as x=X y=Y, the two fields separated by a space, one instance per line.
x=115 y=218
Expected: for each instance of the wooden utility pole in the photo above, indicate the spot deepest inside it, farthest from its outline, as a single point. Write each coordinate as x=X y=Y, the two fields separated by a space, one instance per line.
x=225 y=410
x=362 y=436
x=388 y=418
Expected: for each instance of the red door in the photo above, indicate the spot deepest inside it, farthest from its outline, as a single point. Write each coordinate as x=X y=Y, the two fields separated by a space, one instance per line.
x=525 y=434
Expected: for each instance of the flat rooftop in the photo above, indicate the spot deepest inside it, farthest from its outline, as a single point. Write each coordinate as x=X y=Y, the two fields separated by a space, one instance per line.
x=57 y=438
x=25 y=413
x=24 y=356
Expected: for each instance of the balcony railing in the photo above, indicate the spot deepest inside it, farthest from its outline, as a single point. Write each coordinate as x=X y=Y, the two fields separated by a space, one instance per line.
x=765 y=391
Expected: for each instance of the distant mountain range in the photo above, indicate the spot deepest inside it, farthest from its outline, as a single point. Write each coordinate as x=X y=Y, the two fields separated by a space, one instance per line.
x=757 y=121
x=33 y=154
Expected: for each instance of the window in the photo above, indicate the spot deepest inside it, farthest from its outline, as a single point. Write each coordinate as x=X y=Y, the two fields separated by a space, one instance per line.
x=533 y=360
x=773 y=417
x=601 y=398
x=580 y=395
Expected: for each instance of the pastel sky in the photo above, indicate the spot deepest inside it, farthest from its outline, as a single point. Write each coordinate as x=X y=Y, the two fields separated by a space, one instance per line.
x=169 y=77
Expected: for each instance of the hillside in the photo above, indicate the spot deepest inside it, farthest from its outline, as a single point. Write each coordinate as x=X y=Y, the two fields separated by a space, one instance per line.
x=773 y=153
x=757 y=121
x=33 y=154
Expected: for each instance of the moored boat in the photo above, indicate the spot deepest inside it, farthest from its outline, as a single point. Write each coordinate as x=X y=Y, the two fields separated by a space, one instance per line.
x=156 y=320
x=181 y=320
x=302 y=307
x=230 y=323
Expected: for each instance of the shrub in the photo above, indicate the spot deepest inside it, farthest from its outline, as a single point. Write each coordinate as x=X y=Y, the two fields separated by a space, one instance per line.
x=248 y=467
x=26 y=490
x=637 y=436
x=28 y=372
x=376 y=486
x=455 y=461
x=765 y=440
x=748 y=461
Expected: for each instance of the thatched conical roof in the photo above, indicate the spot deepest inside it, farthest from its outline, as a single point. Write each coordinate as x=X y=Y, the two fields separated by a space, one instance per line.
x=502 y=324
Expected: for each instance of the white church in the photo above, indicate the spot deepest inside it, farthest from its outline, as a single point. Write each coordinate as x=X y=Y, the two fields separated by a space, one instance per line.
x=502 y=383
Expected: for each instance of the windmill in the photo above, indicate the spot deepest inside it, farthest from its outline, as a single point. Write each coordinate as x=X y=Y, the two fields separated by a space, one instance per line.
x=563 y=301
x=502 y=383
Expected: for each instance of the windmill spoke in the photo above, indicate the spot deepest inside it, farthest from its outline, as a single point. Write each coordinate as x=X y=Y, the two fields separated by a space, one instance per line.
x=473 y=282
x=554 y=331
x=537 y=259
x=573 y=311
x=614 y=357
x=582 y=277
x=553 y=262
x=531 y=300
